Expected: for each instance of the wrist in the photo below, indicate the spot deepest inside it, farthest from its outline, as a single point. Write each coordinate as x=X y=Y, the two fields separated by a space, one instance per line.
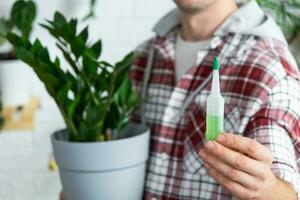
x=281 y=190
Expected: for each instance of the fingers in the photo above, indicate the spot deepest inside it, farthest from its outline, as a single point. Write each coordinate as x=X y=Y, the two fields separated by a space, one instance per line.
x=235 y=159
x=230 y=172
x=234 y=188
x=247 y=146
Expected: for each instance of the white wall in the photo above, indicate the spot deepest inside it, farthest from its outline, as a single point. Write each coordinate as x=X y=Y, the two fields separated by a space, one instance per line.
x=24 y=156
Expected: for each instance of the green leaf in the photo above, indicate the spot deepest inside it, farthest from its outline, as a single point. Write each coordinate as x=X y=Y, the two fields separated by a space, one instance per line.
x=97 y=48
x=83 y=132
x=133 y=100
x=51 y=80
x=94 y=114
x=18 y=41
x=43 y=54
x=77 y=46
x=84 y=34
x=89 y=66
x=57 y=62
x=36 y=46
x=73 y=25
x=13 y=38
x=62 y=94
x=69 y=59
x=124 y=91
x=102 y=82
x=112 y=117
x=22 y=15
x=26 y=56
x=126 y=63
x=122 y=69
x=59 y=20
x=72 y=106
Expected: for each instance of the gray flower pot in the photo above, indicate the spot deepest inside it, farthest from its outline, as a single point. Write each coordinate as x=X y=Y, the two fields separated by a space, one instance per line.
x=113 y=170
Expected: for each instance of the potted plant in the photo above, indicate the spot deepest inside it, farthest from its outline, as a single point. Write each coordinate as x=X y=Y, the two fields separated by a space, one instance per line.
x=100 y=154
x=15 y=77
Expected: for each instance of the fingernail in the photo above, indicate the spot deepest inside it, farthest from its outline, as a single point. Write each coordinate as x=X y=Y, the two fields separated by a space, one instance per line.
x=209 y=145
x=202 y=153
x=221 y=138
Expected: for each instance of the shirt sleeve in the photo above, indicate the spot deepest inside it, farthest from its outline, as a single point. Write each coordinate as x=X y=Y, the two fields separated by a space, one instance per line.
x=277 y=126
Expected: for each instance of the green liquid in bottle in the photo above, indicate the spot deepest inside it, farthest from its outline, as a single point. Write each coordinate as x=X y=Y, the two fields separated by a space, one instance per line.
x=214 y=126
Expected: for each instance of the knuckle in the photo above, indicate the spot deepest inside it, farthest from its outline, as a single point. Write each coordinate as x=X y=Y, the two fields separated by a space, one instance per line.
x=214 y=175
x=232 y=174
x=212 y=172
x=264 y=175
x=240 y=162
x=250 y=195
x=252 y=147
x=234 y=142
x=220 y=151
x=254 y=196
x=229 y=186
x=211 y=161
x=254 y=187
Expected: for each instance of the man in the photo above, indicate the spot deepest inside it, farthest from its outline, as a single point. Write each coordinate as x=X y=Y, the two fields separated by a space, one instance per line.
x=259 y=156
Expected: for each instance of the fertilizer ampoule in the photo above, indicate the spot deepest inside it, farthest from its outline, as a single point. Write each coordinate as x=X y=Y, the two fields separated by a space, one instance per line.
x=215 y=107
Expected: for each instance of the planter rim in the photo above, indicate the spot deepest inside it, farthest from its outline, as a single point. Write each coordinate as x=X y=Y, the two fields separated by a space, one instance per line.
x=53 y=137
x=103 y=156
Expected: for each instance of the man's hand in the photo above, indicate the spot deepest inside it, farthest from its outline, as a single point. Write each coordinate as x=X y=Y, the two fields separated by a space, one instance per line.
x=243 y=167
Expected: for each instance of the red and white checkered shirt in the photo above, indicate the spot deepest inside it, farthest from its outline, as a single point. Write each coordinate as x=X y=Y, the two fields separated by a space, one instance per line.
x=260 y=83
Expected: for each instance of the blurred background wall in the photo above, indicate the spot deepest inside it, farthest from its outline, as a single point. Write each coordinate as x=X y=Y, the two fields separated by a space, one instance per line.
x=24 y=155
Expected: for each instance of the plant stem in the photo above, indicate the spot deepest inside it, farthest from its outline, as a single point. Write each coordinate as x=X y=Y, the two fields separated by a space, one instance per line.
x=110 y=96
x=74 y=65
x=68 y=120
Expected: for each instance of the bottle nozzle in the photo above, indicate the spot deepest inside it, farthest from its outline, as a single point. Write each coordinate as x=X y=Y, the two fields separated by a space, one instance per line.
x=216 y=63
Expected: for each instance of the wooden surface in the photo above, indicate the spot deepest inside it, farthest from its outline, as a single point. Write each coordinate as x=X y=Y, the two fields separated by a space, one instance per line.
x=21 y=118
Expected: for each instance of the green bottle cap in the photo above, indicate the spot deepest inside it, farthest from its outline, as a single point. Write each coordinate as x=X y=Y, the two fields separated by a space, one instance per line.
x=216 y=63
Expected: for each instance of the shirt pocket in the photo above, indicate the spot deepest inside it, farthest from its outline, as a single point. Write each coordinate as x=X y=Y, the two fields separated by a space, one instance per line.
x=192 y=162
x=233 y=118
x=194 y=140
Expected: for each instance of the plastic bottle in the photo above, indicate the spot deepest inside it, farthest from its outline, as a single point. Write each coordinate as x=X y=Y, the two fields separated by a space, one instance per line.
x=215 y=107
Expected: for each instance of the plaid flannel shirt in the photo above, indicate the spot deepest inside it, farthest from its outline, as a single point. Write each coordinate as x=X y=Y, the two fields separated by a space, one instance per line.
x=260 y=83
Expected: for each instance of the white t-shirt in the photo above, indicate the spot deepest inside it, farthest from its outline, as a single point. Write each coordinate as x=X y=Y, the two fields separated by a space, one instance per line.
x=186 y=54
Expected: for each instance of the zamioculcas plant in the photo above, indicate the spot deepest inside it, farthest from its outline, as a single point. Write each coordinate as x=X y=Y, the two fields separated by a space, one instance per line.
x=21 y=18
x=94 y=97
